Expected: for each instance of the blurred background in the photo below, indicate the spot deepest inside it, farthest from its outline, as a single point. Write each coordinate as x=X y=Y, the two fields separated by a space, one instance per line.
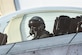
x=9 y=6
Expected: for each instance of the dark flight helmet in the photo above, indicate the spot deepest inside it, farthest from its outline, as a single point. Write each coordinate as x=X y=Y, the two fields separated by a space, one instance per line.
x=37 y=22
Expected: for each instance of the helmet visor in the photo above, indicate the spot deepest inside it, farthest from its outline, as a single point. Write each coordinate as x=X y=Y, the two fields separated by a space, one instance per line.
x=34 y=24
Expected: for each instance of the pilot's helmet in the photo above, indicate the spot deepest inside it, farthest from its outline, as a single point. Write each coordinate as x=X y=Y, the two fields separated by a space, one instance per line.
x=37 y=22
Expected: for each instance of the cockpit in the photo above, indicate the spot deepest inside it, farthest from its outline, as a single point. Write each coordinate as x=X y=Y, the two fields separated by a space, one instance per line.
x=58 y=22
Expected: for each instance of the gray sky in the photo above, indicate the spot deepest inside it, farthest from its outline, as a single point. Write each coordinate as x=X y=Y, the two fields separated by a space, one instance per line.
x=26 y=4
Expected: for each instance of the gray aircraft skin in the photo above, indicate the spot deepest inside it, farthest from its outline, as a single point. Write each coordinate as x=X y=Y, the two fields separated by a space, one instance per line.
x=68 y=44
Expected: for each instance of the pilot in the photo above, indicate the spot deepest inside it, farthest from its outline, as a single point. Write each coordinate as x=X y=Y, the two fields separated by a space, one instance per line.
x=37 y=28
